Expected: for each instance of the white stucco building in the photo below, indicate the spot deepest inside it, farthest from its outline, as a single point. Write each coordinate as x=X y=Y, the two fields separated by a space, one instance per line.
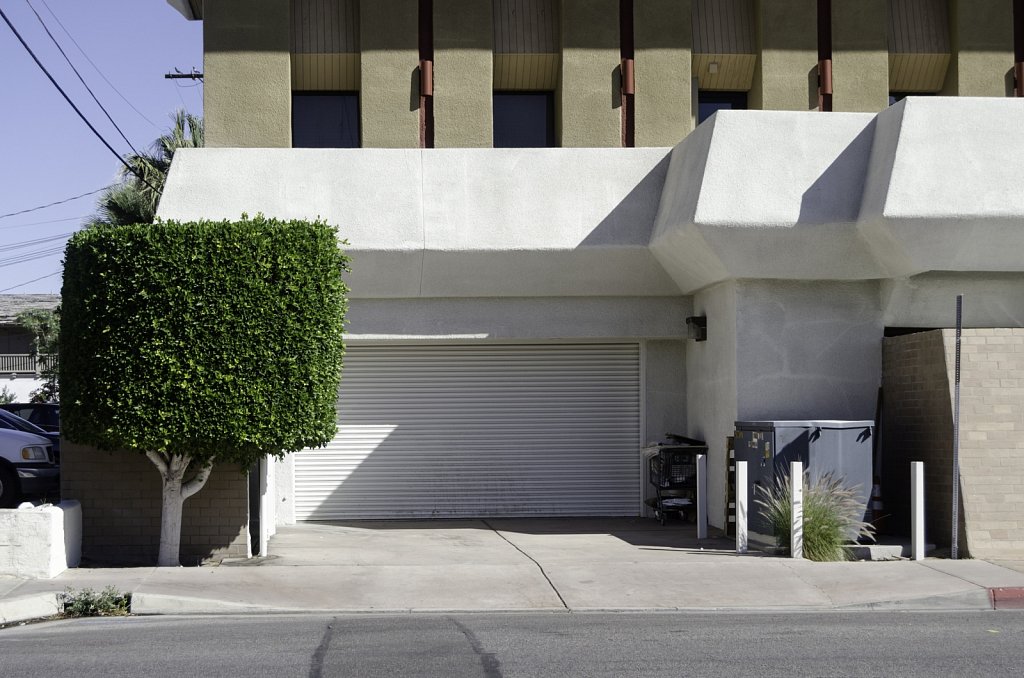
x=518 y=316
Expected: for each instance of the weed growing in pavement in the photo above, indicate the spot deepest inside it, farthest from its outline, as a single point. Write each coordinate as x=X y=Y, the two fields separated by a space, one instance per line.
x=88 y=603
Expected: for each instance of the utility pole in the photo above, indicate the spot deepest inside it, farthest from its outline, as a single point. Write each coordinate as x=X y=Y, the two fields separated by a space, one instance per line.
x=178 y=75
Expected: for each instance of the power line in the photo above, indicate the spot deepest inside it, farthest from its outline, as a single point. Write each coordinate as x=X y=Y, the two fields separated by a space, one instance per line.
x=71 y=103
x=80 y=78
x=30 y=256
x=40 y=223
x=36 y=241
x=51 y=204
x=29 y=282
x=97 y=68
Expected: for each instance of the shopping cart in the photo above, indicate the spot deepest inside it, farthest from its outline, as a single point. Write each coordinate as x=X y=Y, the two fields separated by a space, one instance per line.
x=673 y=472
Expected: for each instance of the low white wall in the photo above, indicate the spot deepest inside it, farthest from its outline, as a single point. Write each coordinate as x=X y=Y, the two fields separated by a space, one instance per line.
x=40 y=542
x=21 y=387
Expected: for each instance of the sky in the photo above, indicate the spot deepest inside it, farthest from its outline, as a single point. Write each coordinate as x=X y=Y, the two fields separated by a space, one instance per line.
x=47 y=153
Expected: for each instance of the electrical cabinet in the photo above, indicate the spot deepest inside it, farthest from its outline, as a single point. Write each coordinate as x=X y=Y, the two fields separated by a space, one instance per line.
x=843 y=448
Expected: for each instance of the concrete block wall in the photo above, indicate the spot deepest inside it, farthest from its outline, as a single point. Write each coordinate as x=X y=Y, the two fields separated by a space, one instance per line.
x=120 y=494
x=991 y=437
x=917 y=425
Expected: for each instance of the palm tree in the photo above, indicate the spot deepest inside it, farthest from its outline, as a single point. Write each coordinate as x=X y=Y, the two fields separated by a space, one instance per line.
x=134 y=201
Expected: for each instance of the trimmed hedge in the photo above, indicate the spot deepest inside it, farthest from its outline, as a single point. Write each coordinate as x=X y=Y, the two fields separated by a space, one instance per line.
x=220 y=340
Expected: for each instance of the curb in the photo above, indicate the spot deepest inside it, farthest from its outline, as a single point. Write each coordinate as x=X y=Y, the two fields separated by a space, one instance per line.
x=28 y=607
x=1007 y=598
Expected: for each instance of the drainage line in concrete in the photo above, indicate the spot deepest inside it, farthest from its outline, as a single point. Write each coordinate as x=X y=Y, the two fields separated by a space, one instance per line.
x=539 y=566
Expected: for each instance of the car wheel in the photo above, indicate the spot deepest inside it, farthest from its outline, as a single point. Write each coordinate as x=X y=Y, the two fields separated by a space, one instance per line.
x=10 y=491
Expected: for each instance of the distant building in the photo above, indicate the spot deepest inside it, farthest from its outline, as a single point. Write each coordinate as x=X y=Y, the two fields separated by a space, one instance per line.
x=19 y=370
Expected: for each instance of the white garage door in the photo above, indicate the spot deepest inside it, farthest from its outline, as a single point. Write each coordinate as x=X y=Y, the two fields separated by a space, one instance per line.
x=479 y=430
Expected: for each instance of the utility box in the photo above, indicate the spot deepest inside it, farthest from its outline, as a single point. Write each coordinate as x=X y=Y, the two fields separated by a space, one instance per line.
x=843 y=448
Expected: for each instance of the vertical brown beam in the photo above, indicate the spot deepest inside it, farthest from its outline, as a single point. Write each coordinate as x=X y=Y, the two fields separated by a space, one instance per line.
x=627 y=52
x=824 y=55
x=1018 y=47
x=426 y=40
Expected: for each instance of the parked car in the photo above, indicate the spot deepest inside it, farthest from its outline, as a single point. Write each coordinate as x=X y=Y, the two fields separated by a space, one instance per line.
x=13 y=421
x=27 y=467
x=44 y=415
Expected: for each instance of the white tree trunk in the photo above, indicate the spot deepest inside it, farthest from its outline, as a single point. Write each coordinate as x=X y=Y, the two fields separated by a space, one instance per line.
x=172 y=469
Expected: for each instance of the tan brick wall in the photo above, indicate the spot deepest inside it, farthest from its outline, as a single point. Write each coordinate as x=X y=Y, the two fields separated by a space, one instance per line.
x=991 y=437
x=120 y=496
x=917 y=425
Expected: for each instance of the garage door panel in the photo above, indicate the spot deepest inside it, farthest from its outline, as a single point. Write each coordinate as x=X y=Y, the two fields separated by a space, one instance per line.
x=457 y=431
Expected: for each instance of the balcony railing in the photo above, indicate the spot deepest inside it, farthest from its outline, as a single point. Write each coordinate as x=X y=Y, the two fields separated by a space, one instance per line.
x=23 y=364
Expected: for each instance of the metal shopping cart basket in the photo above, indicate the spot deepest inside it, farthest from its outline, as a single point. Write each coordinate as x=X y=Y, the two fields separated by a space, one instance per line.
x=672 y=470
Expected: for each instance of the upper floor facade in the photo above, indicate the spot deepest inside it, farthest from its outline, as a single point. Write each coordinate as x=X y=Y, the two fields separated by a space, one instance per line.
x=578 y=73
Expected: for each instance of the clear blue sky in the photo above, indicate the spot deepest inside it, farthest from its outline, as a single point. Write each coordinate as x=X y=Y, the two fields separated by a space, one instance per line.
x=48 y=153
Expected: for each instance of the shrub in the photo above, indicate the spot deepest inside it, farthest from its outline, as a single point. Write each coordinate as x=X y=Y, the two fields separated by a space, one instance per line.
x=832 y=515
x=201 y=342
x=88 y=603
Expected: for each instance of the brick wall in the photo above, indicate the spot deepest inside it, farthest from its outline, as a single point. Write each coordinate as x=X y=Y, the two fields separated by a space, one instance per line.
x=991 y=438
x=120 y=494
x=917 y=425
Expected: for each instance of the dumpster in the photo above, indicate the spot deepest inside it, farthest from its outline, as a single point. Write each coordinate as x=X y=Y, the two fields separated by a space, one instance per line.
x=843 y=448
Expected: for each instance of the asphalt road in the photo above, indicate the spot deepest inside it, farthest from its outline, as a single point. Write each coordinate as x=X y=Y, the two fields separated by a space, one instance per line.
x=554 y=644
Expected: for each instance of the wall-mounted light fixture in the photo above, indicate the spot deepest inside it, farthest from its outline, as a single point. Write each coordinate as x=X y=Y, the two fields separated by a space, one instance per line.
x=697 y=327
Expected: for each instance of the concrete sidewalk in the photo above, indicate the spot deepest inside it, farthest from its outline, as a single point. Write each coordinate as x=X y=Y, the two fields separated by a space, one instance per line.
x=535 y=565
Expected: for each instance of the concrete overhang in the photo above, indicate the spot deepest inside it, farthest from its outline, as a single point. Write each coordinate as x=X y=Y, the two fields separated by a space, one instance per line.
x=451 y=222
x=944 y=190
x=766 y=195
x=929 y=184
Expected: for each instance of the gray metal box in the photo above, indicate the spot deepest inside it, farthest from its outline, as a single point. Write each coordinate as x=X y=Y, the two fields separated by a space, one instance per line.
x=842 y=447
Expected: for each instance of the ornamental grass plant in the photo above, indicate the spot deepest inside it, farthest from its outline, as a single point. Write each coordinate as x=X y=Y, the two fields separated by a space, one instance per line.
x=833 y=515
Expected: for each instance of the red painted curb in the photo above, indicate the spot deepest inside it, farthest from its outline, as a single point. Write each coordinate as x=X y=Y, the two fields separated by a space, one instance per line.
x=1010 y=598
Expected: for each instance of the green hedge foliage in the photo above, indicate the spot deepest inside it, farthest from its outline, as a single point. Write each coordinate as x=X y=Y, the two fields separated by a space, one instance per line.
x=220 y=340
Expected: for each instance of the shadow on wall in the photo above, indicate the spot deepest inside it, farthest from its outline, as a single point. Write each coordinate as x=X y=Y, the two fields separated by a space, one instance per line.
x=632 y=220
x=836 y=195
x=120 y=493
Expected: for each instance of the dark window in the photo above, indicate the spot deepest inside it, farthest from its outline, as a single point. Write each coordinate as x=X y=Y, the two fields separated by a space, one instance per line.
x=709 y=102
x=325 y=119
x=524 y=119
x=900 y=96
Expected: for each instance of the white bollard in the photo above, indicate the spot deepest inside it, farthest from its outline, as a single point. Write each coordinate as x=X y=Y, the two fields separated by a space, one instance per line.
x=917 y=510
x=741 y=507
x=796 y=527
x=702 y=496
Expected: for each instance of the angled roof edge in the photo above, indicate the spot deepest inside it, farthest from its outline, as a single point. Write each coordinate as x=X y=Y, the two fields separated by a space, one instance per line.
x=190 y=9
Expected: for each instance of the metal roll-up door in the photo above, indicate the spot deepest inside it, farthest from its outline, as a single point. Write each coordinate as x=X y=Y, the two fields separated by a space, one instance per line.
x=479 y=430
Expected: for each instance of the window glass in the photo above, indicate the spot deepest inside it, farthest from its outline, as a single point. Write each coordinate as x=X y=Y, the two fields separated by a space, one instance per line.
x=709 y=102
x=524 y=119
x=325 y=120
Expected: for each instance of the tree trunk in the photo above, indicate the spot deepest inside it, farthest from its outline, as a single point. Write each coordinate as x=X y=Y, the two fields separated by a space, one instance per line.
x=170 y=523
x=172 y=469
